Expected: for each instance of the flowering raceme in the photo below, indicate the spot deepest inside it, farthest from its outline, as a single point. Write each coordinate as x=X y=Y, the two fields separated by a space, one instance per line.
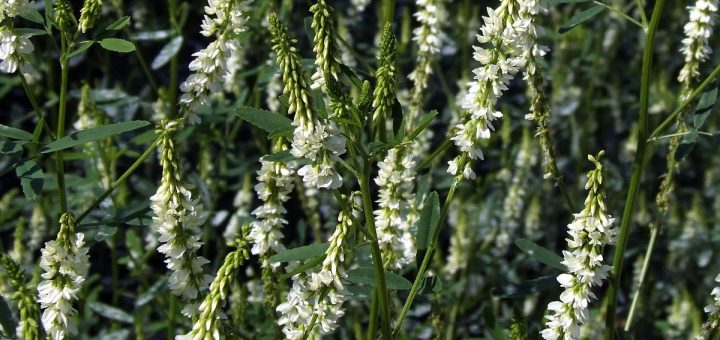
x=698 y=30
x=505 y=31
x=314 y=138
x=225 y=20
x=395 y=178
x=177 y=218
x=314 y=303
x=65 y=265
x=588 y=234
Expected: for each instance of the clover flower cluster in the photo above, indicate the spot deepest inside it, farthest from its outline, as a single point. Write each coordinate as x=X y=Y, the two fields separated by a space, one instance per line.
x=177 y=218
x=28 y=326
x=431 y=15
x=15 y=48
x=711 y=328
x=696 y=50
x=317 y=298
x=314 y=137
x=274 y=186
x=224 y=20
x=206 y=327
x=396 y=176
x=505 y=31
x=65 y=264
x=588 y=233
x=695 y=45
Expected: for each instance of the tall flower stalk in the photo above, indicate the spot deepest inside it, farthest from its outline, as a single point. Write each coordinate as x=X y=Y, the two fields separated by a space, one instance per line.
x=711 y=328
x=24 y=294
x=178 y=216
x=505 y=32
x=206 y=327
x=224 y=21
x=65 y=263
x=314 y=304
x=696 y=50
x=589 y=233
x=315 y=137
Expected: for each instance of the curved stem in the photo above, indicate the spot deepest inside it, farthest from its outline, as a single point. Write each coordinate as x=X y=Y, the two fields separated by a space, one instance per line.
x=427 y=259
x=36 y=107
x=643 y=274
x=638 y=167
x=381 y=287
x=120 y=180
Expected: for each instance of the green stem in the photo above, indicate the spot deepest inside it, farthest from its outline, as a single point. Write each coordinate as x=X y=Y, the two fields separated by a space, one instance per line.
x=36 y=107
x=438 y=151
x=643 y=17
x=638 y=167
x=671 y=118
x=427 y=259
x=621 y=14
x=381 y=286
x=120 y=180
x=64 y=68
x=388 y=11
x=643 y=274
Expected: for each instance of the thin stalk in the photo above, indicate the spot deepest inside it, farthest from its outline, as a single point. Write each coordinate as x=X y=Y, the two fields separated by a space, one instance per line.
x=64 y=68
x=621 y=14
x=438 y=151
x=643 y=17
x=643 y=274
x=426 y=260
x=638 y=167
x=36 y=107
x=120 y=180
x=143 y=64
x=381 y=286
x=671 y=118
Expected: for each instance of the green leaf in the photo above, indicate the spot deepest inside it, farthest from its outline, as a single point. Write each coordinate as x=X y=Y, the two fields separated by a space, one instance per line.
x=33 y=15
x=429 y=218
x=581 y=17
x=281 y=156
x=307 y=265
x=272 y=122
x=11 y=132
x=424 y=123
x=11 y=148
x=110 y=312
x=541 y=254
x=32 y=32
x=686 y=145
x=366 y=276
x=117 y=45
x=534 y=286
x=118 y=24
x=300 y=253
x=82 y=47
x=32 y=178
x=704 y=107
x=167 y=52
x=93 y=134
